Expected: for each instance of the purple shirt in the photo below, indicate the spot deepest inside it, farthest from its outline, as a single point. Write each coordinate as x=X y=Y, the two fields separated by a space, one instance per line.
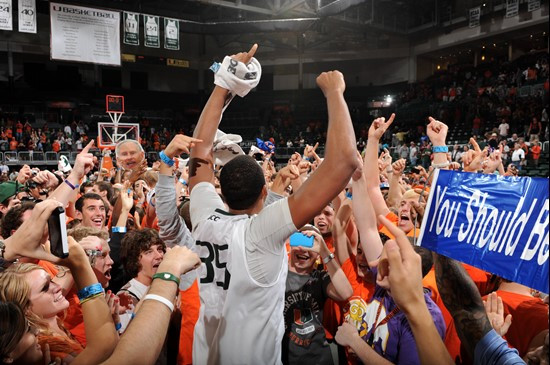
x=393 y=338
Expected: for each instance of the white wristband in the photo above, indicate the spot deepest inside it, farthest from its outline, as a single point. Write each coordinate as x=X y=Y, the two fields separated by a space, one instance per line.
x=163 y=300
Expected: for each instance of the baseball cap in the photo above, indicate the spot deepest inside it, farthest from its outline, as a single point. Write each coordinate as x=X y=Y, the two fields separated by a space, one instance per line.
x=8 y=189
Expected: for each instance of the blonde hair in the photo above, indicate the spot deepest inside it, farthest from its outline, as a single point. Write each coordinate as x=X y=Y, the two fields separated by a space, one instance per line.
x=151 y=178
x=80 y=233
x=15 y=288
x=410 y=194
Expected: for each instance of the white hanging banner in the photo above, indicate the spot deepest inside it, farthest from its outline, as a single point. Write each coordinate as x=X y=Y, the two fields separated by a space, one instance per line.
x=131 y=28
x=152 y=31
x=5 y=15
x=475 y=16
x=27 y=16
x=533 y=5
x=171 y=34
x=512 y=8
x=84 y=34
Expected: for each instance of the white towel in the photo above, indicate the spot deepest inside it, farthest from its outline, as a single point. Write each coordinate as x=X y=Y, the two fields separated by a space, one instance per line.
x=237 y=77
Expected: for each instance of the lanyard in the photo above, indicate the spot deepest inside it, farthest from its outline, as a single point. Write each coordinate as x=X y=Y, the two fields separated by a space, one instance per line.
x=394 y=311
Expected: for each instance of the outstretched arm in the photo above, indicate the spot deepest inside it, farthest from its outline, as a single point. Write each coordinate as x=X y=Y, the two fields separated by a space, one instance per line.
x=370 y=167
x=366 y=222
x=201 y=163
x=339 y=164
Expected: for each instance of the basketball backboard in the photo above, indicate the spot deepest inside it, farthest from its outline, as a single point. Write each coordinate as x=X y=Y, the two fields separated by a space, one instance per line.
x=109 y=134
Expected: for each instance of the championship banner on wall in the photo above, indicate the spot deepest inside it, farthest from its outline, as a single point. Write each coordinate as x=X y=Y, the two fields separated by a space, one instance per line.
x=5 y=15
x=152 y=31
x=171 y=34
x=497 y=224
x=512 y=8
x=27 y=16
x=84 y=34
x=533 y=5
x=475 y=16
x=131 y=28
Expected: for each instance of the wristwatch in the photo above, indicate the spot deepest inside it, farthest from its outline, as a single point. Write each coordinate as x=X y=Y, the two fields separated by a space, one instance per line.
x=328 y=259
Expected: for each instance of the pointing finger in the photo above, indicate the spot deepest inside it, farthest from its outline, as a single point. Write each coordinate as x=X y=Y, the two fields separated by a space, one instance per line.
x=88 y=146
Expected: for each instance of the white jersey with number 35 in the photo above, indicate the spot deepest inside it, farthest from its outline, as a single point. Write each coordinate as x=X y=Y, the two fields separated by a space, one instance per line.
x=240 y=319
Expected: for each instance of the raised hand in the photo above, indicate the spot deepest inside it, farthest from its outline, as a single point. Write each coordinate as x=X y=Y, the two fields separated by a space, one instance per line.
x=24 y=174
x=384 y=160
x=46 y=179
x=284 y=178
x=332 y=81
x=179 y=260
x=304 y=166
x=245 y=57
x=127 y=197
x=493 y=162
x=379 y=126
x=180 y=144
x=399 y=166
x=309 y=151
x=26 y=241
x=495 y=313
x=437 y=132
x=403 y=268
x=295 y=159
x=84 y=163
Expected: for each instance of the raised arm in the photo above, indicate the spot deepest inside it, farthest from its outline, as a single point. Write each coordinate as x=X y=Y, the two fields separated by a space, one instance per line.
x=339 y=164
x=394 y=194
x=200 y=163
x=366 y=222
x=67 y=191
x=370 y=167
x=143 y=340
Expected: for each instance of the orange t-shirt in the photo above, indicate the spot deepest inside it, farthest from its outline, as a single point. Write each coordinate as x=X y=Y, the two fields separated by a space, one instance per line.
x=189 y=306
x=74 y=319
x=60 y=346
x=13 y=145
x=535 y=151
x=356 y=305
x=49 y=267
x=529 y=318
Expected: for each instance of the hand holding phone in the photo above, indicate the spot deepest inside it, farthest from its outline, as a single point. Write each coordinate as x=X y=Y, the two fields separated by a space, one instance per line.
x=57 y=227
x=300 y=239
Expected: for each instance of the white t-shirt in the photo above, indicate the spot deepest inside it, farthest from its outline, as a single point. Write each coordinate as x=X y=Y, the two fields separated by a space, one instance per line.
x=241 y=316
x=503 y=129
x=413 y=152
x=518 y=155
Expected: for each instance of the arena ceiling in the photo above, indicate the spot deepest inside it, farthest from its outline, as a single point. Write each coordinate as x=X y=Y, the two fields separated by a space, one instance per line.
x=297 y=25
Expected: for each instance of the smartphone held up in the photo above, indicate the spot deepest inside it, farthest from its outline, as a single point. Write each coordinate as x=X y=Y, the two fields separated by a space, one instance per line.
x=57 y=227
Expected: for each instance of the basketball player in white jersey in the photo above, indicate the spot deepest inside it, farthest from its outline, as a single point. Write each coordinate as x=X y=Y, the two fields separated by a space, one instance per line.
x=242 y=278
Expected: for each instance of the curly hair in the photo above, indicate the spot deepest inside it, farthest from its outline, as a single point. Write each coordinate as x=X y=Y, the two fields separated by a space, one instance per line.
x=133 y=245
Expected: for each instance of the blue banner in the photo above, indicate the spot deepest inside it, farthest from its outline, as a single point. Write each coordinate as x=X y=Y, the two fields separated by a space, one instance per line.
x=495 y=223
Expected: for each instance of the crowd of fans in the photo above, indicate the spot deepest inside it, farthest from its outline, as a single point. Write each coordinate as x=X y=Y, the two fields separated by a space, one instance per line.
x=191 y=262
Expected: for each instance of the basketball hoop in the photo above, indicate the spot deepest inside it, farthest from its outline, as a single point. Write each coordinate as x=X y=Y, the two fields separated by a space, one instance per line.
x=109 y=134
